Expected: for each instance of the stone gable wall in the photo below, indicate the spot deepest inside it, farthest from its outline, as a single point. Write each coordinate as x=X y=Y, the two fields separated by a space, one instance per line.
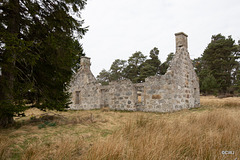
x=176 y=90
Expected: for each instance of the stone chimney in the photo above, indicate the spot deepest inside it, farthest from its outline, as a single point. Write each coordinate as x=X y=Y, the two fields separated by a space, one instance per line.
x=181 y=40
x=85 y=63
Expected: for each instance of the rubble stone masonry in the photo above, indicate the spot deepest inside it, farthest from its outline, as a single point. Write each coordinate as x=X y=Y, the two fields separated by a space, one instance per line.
x=176 y=90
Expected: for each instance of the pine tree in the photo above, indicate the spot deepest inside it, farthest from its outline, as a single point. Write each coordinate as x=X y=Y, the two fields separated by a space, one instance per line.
x=209 y=85
x=38 y=53
x=104 y=77
x=220 y=58
x=164 y=66
x=146 y=70
x=154 y=60
x=151 y=66
x=236 y=84
x=116 y=70
x=197 y=64
x=132 y=71
x=236 y=72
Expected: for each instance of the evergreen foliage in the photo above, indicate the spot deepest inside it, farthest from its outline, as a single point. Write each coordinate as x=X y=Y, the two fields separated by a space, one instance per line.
x=132 y=71
x=103 y=77
x=151 y=66
x=146 y=70
x=116 y=70
x=164 y=66
x=137 y=68
x=197 y=63
x=39 y=50
x=209 y=85
x=220 y=58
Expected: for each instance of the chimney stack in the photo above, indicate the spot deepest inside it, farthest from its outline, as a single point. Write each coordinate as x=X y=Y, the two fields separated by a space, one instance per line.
x=181 y=40
x=85 y=63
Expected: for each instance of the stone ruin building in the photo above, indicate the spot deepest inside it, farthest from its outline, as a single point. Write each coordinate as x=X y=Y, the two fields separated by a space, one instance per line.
x=176 y=90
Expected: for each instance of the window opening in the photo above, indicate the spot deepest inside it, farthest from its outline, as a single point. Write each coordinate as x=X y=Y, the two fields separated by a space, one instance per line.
x=77 y=98
x=139 y=98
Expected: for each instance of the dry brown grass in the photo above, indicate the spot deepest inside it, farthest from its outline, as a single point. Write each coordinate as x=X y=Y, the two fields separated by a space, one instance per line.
x=201 y=133
x=202 y=136
x=56 y=149
x=223 y=102
x=5 y=142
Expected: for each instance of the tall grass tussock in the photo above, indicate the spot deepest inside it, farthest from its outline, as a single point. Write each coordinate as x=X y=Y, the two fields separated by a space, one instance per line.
x=201 y=133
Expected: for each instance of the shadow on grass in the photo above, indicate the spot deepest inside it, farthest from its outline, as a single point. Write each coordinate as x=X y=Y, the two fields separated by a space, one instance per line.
x=48 y=120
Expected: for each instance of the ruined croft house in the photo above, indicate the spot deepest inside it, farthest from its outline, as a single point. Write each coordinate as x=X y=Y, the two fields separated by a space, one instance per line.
x=176 y=90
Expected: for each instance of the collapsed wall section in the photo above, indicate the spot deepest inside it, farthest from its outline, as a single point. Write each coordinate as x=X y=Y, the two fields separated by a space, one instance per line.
x=119 y=95
x=158 y=94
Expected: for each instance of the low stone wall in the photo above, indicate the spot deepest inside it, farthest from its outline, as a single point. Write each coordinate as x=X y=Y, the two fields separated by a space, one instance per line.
x=122 y=95
x=158 y=93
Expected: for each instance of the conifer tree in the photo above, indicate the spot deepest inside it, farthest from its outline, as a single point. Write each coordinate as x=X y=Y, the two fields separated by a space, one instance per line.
x=220 y=58
x=151 y=66
x=103 y=77
x=39 y=49
x=132 y=71
x=164 y=66
x=116 y=70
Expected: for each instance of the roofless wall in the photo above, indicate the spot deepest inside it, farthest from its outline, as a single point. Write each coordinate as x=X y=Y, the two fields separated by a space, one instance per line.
x=176 y=90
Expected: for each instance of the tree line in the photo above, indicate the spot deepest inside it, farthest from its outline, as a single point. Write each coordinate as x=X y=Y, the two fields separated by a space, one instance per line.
x=136 y=68
x=218 y=68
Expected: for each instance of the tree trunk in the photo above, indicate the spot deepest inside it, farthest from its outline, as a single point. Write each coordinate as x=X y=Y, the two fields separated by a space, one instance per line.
x=7 y=79
x=13 y=28
x=6 y=120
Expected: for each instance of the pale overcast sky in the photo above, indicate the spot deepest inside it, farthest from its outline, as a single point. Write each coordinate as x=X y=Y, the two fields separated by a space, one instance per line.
x=118 y=28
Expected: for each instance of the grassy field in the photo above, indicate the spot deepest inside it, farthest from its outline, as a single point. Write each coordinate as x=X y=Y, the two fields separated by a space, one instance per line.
x=201 y=133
